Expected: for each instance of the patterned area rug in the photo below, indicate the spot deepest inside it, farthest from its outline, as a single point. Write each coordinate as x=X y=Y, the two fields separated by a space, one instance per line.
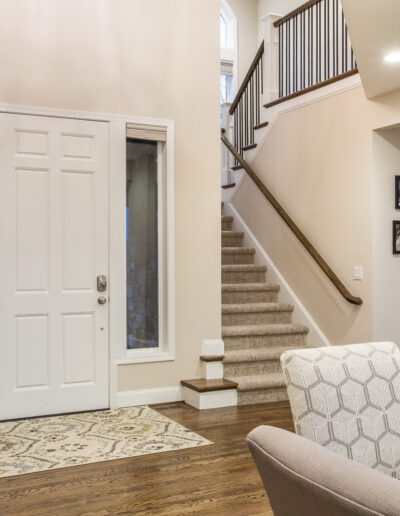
x=32 y=445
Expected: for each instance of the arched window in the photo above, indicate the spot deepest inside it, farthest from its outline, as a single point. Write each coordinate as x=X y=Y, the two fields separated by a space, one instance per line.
x=222 y=31
x=227 y=27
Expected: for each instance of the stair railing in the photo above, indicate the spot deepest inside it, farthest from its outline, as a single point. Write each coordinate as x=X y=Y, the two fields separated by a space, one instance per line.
x=247 y=105
x=314 y=46
x=292 y=225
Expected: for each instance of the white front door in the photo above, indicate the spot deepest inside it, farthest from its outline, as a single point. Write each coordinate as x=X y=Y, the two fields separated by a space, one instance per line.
x=53 y=245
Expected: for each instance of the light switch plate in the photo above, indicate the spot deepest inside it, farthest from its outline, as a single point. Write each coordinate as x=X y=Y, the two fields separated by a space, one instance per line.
x=358 y=273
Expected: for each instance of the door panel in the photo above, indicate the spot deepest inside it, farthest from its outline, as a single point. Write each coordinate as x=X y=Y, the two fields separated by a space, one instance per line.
x=53 y=245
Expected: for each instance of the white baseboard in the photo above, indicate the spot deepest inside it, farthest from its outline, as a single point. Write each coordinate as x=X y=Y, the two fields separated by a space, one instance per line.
x=210 y=400
x=287 y=295
x=149 y=396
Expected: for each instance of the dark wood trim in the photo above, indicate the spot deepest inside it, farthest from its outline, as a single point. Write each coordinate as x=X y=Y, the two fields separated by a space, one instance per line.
x=236 y=167
x=314 y=87
x=202 y=385
x=293 y=226
x=249 y=147
x=246 y=80
x=296 y=11
x=260 y=126
x=226 y=187
x=212 y=358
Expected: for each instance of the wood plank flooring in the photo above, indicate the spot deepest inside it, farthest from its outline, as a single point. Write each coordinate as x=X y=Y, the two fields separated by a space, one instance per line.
x=212 y=480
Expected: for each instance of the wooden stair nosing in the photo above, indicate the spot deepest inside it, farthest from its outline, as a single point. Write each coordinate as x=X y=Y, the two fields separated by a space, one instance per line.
x=260 y=126
x=226 y=187
x=249 y=147
x=212 y=358
x=203 y=385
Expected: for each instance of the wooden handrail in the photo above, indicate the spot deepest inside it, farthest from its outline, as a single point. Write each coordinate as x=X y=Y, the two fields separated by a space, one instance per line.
x=246 y=80
x=292 y=225
x=295 y=12
x=314 y=87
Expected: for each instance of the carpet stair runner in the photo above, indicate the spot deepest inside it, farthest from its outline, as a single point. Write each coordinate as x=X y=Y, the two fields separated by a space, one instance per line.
x=256 y=327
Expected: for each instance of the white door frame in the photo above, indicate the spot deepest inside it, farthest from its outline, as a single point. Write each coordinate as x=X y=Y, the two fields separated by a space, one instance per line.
x=118 y=353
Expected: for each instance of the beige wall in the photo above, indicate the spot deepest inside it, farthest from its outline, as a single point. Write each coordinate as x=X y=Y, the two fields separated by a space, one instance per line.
x=247 y=37
x=282 y=7
x=386 y=161
x=318 y=161
x=147 y=58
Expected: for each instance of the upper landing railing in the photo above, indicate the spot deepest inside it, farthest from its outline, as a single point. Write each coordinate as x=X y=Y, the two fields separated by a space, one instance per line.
x=314 y=47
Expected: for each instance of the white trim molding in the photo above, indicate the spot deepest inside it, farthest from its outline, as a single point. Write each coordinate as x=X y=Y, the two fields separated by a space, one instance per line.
x=210 y=400
x=148 y=396
x=287 y=294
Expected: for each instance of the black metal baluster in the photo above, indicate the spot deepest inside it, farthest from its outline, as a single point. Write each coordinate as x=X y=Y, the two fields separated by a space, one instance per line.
x=295 y=63
x=337 y=36
x=287 y=60
x=280 y=61
x=342 y=30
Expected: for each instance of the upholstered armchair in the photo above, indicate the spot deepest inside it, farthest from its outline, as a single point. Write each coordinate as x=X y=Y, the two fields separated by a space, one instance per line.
x=302 y=478
x=347 y=399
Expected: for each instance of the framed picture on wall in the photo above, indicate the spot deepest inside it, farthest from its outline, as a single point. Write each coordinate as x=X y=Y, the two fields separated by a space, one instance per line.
x=397 y=192
x=396 y=237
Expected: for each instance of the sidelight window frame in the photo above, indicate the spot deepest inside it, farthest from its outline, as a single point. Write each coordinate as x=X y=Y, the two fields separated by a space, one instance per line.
x=166 y=247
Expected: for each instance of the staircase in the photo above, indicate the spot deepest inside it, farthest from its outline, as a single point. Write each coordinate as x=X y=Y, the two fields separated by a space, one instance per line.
x=256 y=328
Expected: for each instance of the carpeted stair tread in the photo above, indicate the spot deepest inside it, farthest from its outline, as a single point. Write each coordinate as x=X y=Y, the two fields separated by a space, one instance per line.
x=226 y=218
x=264 y=329
x=244 y=268
x=238 y=250
x=232 y=233
x=254 y=355
x=250 y=287
x=256 y=307
x=258 y=382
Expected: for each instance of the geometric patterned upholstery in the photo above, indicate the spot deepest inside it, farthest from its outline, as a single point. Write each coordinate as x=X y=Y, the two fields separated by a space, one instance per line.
x=347 y=398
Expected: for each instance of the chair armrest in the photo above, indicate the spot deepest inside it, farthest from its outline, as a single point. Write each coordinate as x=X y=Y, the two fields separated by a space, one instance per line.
x=303 y=478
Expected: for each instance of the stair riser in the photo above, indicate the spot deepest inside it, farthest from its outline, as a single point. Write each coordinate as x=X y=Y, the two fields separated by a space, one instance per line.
x=250 y=297
x=252 y=368
x=262 y=396
x=226 y=226
x=243 y=277
x=237 y=259
x=251 y=318
x=264 y=341
x=232 y=241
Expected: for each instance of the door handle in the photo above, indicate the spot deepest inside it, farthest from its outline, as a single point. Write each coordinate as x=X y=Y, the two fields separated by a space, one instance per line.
x=101 y=283
x=102 y=300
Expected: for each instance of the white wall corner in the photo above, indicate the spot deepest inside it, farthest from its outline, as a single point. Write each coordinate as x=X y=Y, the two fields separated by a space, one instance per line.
x=148 y=396
x=300 y=315
x=212 y=347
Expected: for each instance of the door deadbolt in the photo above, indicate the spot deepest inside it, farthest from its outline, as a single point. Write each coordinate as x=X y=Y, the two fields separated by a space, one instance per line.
x=102 y=300
x=101 y=283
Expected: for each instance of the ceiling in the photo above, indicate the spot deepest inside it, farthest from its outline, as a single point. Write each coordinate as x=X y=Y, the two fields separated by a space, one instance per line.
x=374 y=28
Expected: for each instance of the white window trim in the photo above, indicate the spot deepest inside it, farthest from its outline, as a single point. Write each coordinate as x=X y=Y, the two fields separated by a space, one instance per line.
x=118 y=336
x=163 y=352
x=230 y=53
x=119 y=354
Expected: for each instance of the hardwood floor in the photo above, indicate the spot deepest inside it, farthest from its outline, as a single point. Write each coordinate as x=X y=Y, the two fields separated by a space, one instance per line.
x=212 y=480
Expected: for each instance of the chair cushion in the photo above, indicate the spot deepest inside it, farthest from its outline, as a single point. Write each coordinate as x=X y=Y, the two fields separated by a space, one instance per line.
x=347 y=398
